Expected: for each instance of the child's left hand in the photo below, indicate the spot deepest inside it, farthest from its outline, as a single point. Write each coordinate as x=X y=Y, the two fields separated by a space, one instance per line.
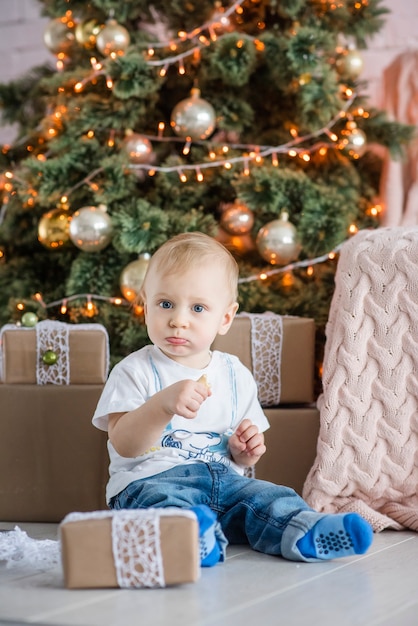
x=247 y=444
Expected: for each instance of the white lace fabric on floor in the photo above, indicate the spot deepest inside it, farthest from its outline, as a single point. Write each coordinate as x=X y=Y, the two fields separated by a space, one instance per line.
x=16 y=548
x=266 y=355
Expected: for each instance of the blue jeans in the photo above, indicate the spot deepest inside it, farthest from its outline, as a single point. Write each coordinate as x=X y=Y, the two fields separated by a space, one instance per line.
x=268 y=517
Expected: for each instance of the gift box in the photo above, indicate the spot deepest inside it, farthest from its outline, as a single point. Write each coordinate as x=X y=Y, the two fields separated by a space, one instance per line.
x=54 y=352
x=279 y=350
x=52 y=459
x=130 y=548
x=291 y=444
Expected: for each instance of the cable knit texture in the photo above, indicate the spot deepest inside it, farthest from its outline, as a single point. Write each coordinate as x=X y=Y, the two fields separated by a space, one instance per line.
x=367 y=451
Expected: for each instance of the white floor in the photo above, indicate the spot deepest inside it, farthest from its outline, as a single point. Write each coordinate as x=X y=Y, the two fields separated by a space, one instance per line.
x=249 y=589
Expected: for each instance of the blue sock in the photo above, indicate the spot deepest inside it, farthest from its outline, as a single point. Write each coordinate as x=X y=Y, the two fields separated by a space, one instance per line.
x=334 y=536
x=211 y=538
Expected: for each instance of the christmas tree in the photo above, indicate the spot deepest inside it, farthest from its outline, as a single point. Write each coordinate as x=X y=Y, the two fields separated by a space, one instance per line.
x=244 y=120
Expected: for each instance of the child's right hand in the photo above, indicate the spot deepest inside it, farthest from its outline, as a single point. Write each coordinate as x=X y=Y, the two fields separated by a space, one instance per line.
x=185 y=398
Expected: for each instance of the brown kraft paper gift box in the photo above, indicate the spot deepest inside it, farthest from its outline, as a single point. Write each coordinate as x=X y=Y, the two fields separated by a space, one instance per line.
x=134 y=548
x=85 y=357
x=52 y=459
x=286 y=344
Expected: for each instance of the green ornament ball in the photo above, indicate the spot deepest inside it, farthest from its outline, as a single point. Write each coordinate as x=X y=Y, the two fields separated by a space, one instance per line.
x=29 y=319
x=49 y=357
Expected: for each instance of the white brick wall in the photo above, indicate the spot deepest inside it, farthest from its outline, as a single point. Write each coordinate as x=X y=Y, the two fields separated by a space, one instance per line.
x=22 y=46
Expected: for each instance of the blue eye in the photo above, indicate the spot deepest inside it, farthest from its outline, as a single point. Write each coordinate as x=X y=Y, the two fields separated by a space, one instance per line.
x=198 y=308
x=165 y=304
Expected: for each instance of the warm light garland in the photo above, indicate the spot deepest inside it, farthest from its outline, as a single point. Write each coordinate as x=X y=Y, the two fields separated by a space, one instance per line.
x=255 y=155
x=118 y=301
x=193 y=34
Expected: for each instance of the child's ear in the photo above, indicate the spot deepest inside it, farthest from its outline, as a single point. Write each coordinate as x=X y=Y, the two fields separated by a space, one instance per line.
x=144 y=304
x=228 y=318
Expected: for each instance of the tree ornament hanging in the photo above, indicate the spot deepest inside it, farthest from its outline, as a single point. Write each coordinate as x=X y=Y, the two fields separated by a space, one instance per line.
x=59 y=35
x=277 y=241
x=86 y=33
x=193 y=118
x=91 y=228
x=354 y=140
x=113 y=39
x=54 y=228
x=137 y=147
x=349 y=64
x=237 y=218
x=132 y=277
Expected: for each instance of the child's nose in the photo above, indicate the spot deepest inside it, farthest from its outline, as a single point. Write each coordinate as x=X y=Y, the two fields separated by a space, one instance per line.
x=179 y=320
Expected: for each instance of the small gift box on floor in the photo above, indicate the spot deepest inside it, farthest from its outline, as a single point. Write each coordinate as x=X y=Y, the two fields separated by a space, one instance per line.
x=130 y=548
x=54 y=353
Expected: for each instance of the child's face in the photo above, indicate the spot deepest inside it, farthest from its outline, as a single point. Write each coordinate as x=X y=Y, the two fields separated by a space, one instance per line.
x=184 y=312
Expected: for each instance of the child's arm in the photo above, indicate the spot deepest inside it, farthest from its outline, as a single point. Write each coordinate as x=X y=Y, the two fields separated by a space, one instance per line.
x=247 y=444
x=134 y=432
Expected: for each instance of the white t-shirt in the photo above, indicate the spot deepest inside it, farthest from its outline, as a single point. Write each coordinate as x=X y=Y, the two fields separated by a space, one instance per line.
x=205 y=438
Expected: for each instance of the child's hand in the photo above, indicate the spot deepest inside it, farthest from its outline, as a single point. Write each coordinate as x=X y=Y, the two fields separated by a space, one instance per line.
x=185 y=398
x=247 y=444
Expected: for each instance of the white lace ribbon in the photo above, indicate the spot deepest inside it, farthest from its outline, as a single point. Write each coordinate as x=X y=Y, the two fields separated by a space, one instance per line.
x=51 y=335
x=136 y=543
x=266 y=354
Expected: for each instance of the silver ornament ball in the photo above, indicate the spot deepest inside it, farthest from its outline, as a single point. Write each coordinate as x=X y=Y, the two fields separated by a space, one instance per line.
x=194 y=117
x=91 y=228
x=349 y=64
x=59 y=36
x=354 y=141
x=277 y=241
x=113 y=39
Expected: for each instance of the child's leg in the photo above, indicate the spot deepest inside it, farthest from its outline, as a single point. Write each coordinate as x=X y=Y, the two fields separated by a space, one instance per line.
x=211 y=538
x=276 y=520
x=185 y=487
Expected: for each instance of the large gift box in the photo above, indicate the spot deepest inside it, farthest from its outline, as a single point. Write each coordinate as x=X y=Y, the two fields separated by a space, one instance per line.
x=291 y=445
x=130 y=548
x=52 y=459
x=280 y=352
x=54 y=352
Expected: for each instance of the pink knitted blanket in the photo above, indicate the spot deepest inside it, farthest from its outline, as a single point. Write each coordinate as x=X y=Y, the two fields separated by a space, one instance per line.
x=367 y=451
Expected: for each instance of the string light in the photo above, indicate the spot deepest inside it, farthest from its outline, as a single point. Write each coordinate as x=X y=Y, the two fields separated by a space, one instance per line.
x=292 y=266
x=117 y=301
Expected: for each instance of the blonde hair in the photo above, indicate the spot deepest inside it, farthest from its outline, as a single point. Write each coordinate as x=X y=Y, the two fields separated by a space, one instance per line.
x=190 y=249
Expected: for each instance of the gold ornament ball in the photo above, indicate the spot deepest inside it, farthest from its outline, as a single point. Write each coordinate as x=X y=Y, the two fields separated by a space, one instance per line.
x=113 y=39
x=349 y=64
x=54 y=228
x=194 y=117
x=132 y=277
x=59 y=36
x=86 y=33
x=277 y=241
x=91 y=228
x=237 y=219
x=137 y=147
